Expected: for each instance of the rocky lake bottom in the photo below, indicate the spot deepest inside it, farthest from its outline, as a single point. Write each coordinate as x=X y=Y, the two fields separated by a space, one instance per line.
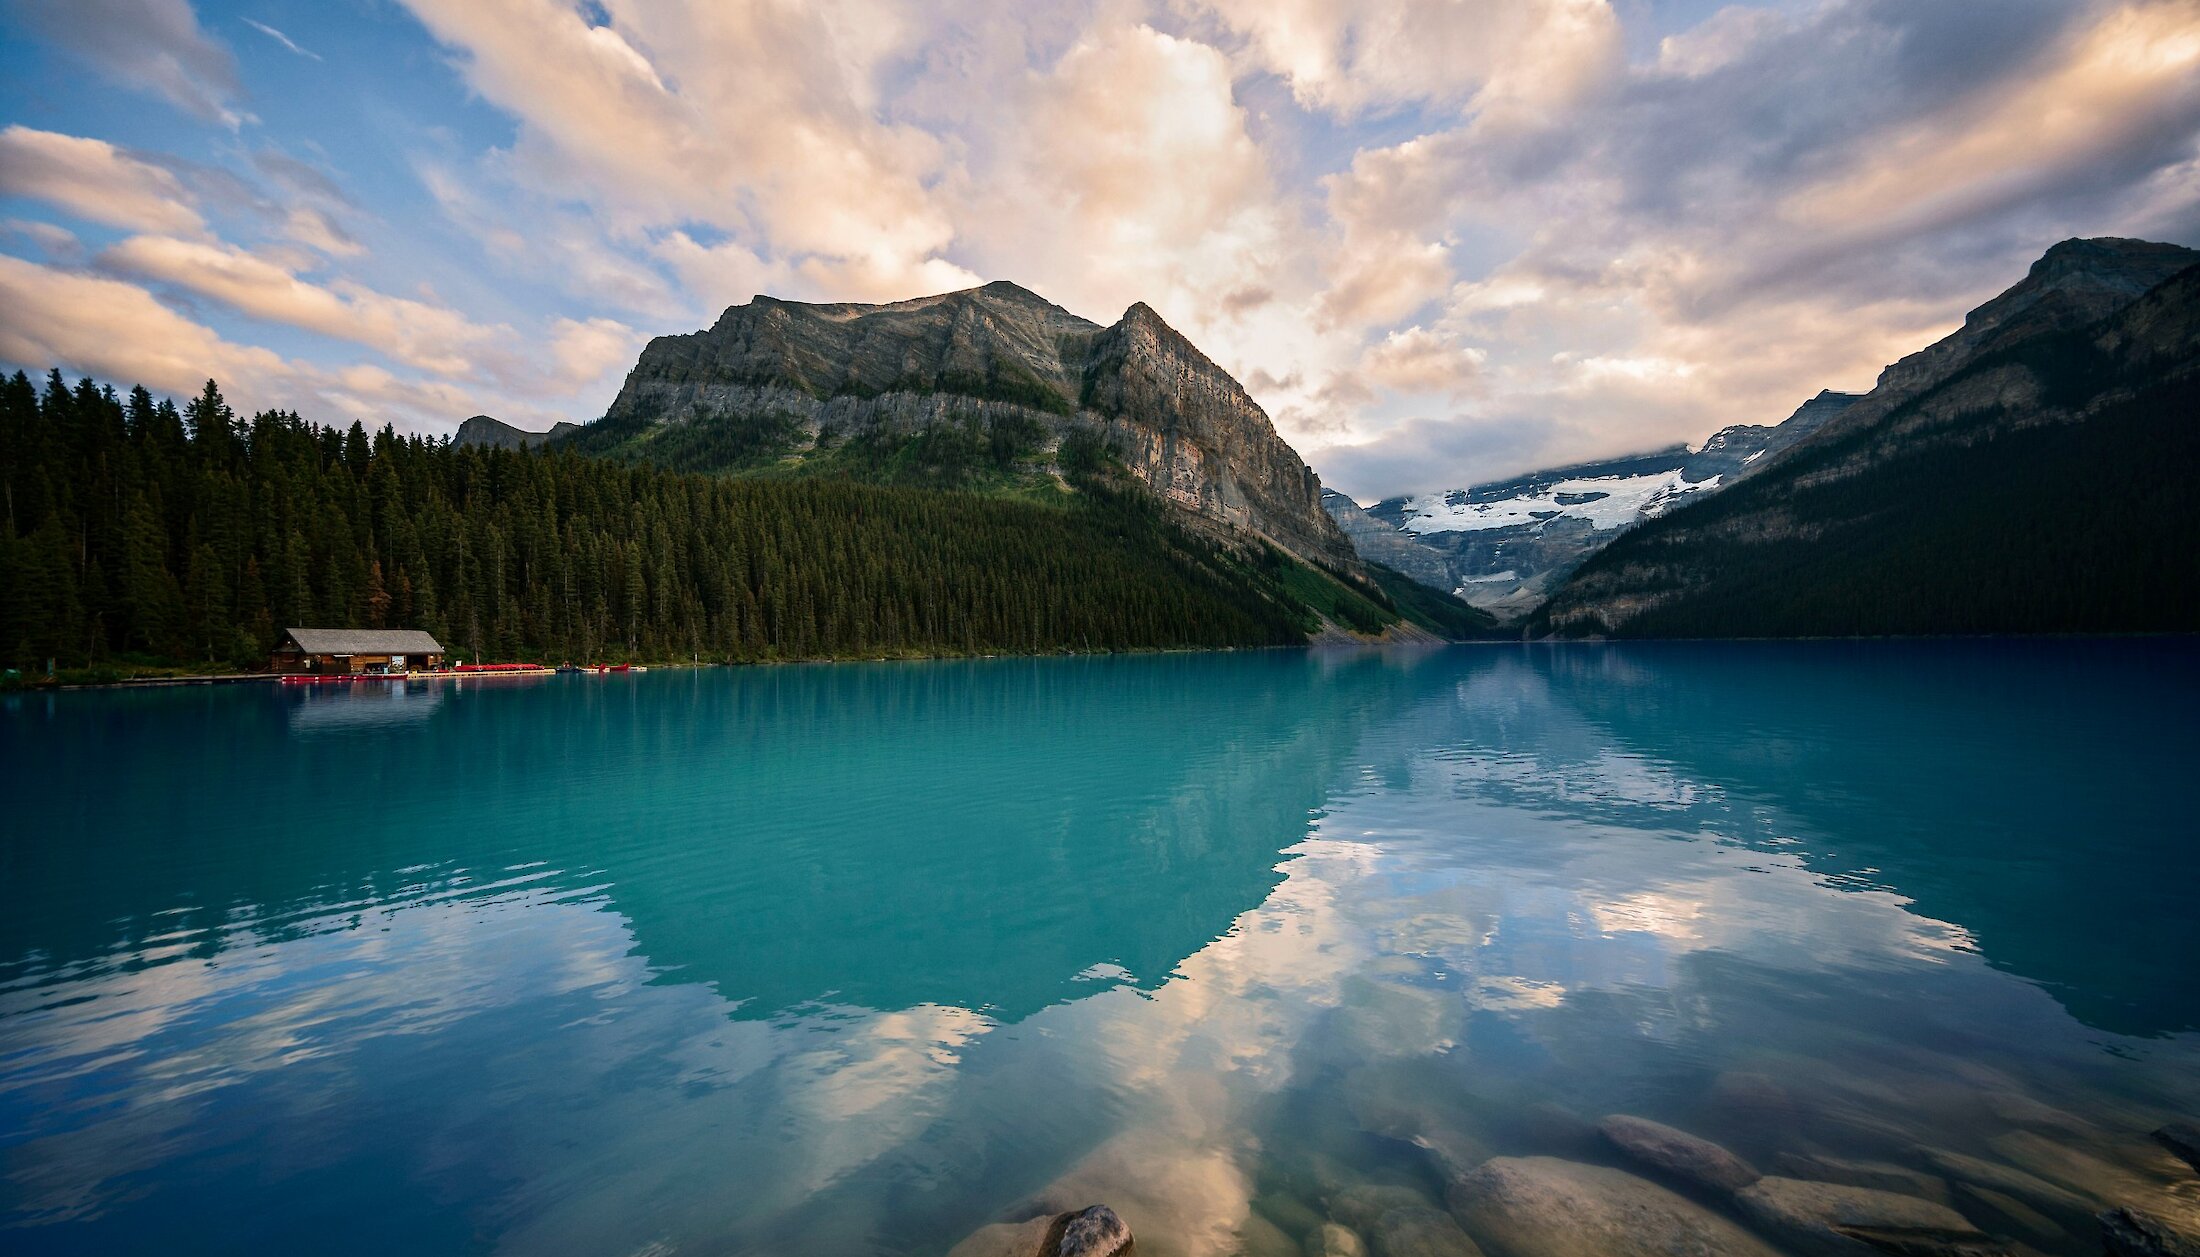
x=1815 y=948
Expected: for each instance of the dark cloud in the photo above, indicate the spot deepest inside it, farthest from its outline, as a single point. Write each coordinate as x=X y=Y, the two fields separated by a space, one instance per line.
x=1423 y=455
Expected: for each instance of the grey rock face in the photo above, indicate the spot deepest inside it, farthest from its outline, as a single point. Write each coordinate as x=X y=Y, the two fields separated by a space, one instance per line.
x=1546 y=1207
x=484 y=430
x=983 y=356
x=1380 y=542
x=1838 y=1221
x=1678 y=1154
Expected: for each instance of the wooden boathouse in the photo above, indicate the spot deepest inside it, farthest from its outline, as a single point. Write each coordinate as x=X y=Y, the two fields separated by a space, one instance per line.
x=354 y=650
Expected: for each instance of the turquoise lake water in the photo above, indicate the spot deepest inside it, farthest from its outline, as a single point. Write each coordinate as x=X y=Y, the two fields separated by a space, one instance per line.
x=860 y=958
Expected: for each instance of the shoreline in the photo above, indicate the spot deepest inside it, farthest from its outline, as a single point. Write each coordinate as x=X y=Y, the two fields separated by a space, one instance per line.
x=247 y=678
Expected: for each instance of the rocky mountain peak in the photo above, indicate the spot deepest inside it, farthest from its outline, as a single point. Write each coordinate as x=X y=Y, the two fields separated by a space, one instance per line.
x=793 y=374
x=2074 y=283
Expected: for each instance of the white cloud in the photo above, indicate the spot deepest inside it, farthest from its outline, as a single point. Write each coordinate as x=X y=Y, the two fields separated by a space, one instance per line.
x=1418 y=360
x=748 y=118
x=95 y=180
x=280 y=38
x=433 y=338
x=1444 y=239
x=1346 y=57
x=116 y=331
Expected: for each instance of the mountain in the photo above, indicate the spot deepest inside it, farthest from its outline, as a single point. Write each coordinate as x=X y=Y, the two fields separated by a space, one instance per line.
x=482 y=430
x=988 y=387
x=2031 y=472
x=1504 y=545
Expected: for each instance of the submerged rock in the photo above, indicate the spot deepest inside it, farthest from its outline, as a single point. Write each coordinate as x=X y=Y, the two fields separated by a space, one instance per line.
x=2082 y=1172
x=2017 y=1107
x=1878 y=1175
x=1006 y=1239
x=1834 y=1220
x=1545 y=1207
x=1362 y=1207
x=2181 y=1139
x=1092 y=1232
x=2009 y=1213
x=1258 y=1237
x=1749 y=1094
x=1295 y=1216
x=2129 y=1232
x=1331 y=1240
x=2008 y=1180
x=1419 y=1231
x=1678 y=1154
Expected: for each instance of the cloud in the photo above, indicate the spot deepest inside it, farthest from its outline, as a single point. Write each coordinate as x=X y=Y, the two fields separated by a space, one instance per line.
x=146 y=45
x=584 y=351
x=568 y=248
x=1394 y=220
x=280 y=38
x=117 y=331
x=1418 y=360
x=431 y=337
x=1350 y=56
x=2127 y=87
x=1427 y=453
x=55 y=242
x=311 y=227
x=120 y=332
x=1778 y=202
x=95 y=180
x=752 y=119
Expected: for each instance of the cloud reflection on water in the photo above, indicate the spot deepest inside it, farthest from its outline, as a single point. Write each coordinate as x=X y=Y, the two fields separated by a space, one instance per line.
x=1498 y=906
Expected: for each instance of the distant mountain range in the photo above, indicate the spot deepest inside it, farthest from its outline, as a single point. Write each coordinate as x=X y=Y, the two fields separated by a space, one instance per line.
x=2034 y=471
x=497 y=434
x=1505 y=545
x=993 y=389
x=1715 y=540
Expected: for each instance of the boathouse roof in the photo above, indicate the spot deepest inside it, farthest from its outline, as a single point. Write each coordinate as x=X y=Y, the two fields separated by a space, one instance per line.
x=322 y=641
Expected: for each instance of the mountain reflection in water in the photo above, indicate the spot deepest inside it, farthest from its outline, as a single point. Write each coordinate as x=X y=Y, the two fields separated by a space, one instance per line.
x=859 y=958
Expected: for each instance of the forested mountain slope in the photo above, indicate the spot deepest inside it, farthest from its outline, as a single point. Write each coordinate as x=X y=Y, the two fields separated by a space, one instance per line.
x=137 y=534
x=2033 y=474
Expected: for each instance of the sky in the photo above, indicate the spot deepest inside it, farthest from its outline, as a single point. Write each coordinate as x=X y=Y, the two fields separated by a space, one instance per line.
x=1440 y=241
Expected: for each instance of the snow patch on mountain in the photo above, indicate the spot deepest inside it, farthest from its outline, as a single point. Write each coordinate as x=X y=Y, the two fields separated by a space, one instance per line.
x=1606 y=502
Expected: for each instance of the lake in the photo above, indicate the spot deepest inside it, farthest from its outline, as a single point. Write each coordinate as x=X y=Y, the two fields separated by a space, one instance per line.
x=861 y=958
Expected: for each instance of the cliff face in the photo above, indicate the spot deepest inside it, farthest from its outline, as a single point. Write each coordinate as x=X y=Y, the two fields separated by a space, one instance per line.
x=2029 y=473
x=777 y=380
